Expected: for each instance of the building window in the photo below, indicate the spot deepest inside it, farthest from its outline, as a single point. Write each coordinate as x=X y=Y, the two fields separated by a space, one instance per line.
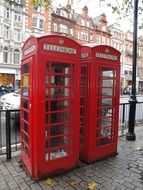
x=64 y=13
x=17 y=35
x=39 y=8
x=38 y=23
x=6 y=32
x=103 y=40
x=5 y=55
x=18 y=1
x=7 y=13
x=55 y=27
x=108 y=41
x=87 y=24
x=97 y=39
x=82 y=22
x=71 y=31
x=17 y=16
x=16 y=57
x=63 y=29
x=104 y=28
x=84 y=36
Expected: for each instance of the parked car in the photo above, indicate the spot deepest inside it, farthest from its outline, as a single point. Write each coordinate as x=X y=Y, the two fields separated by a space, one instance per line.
x=8 y=95
x=12 y=102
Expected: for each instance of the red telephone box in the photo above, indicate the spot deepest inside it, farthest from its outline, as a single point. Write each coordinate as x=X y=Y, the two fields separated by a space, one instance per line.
x=50 y=104
x=100 y=90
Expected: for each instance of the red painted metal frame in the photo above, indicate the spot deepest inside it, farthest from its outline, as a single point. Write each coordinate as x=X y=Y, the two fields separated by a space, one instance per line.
x=90 y=151
x=38 y=58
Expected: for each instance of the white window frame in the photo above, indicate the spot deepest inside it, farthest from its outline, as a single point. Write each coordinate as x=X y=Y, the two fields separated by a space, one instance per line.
x=6 y=32
x=55 y=27
x=17 y=35
x=16 y=56
x=63 y=29
x=18 y=1
x=5 y=55
x=7 y=13
x=17 y=16
x=37 y=24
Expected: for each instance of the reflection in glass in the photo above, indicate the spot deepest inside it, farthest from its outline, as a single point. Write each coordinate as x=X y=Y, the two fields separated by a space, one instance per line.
x=58 y=153
x=107 y=101
x=108 y=72
x=57 y=105
x=25 y=103
x=25 y=127
x=107 y=83
x=104 y=122
x=106 y=131
x=25 y=115
x=25 y=68
x=60 y=68
x=60 y=92
x=107 y=91
x=59 y=141
x=60 y=117
x=59 y=130
x=25 y=91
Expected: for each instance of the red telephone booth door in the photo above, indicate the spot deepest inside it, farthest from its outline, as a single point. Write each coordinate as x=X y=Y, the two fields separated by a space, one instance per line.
x=107 y=110
x=60 y=119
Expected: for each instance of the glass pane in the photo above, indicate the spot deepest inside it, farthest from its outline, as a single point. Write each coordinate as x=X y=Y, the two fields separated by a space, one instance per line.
x=107 y=102
x=105 y=112
x=60 y=80
x=108 y=72
x=59 y=141
x=25 y=138
x=106 y=131
x=107 y=92
x=107 y=83
x=25 y=116
x=25 y=104
x=104 y=140
x=60 y=68
x=59 y=130
x=61 y=117
x=25 y=92
x=104 y=122
x=60 y=92
x=25 y=127
x=61 y=105
x=59 y=153
x=25 y=68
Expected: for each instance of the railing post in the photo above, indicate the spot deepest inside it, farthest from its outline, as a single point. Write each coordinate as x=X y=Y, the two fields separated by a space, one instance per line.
x=123 y=116
x=123 y=120
x=8 y=135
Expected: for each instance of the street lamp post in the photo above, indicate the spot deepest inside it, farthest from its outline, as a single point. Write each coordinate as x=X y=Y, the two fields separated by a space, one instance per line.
x=131 y=135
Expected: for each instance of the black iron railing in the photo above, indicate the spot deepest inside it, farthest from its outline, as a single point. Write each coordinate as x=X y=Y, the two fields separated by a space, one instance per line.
x=9 y=132
x=124 y=116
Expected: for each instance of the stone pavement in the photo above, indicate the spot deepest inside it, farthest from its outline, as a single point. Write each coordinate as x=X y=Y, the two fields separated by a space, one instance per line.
x=121 y=172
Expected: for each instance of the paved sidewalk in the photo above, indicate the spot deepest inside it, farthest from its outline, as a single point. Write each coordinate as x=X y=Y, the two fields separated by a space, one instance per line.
x=122 y=172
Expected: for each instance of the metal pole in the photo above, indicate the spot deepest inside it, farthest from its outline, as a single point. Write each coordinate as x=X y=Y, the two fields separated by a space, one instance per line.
x=131 y=135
